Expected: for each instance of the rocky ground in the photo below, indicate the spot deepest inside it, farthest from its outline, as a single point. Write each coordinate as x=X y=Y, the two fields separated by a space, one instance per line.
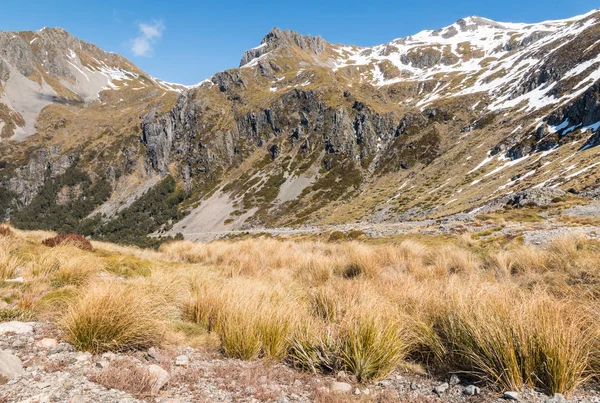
x=36 y=366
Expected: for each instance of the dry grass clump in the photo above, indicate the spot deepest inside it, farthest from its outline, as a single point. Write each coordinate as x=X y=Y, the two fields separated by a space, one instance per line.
x=250 y=325
x=127 y=376
x=368 y=346
x=512 y=340
x=62 y=265
x=113 y=317
x=9 y=261
x=499 y=315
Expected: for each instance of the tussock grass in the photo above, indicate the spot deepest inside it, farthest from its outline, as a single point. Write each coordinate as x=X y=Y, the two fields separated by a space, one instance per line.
x=113 y=317
x=505 y=313
x=9 y=262
x=372 y=346
x=512 y=341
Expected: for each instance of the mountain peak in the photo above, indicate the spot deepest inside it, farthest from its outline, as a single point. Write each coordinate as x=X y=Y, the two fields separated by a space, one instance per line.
x=278 y=38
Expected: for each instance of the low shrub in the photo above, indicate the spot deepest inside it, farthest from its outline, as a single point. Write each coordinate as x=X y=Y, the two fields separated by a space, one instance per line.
x=75 y=240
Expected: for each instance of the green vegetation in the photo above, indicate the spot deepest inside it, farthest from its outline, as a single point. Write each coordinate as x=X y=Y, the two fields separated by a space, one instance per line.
x=154 y=211
x=79 y=196
x=65 y=203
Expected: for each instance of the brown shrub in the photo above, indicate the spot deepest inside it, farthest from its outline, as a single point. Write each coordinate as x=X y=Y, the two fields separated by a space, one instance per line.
x=75 y=240
x=6 y=231
x=126 y=376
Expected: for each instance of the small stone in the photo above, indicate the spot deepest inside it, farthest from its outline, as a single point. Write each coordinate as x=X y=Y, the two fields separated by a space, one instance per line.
x=357 y=391
x=511 y=395
x=110 y=356
x=557 y=398
x=441 y=388
x=160 y=377
x=47 y=343
x=471 y=390
x=152 y=352
x=297 y=382
x=83 y=357
x=15 y=327
x=341 y=387
x=102 y=364
x=261 y=380
x=341 y=375
x=10 y=366
x=454 y=380
x=182 y=361
x=366 y=392
x=414 y=386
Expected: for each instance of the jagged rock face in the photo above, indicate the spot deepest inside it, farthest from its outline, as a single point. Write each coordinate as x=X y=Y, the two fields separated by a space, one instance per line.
x=299 y=120
x=44 y=164
x=277 y=38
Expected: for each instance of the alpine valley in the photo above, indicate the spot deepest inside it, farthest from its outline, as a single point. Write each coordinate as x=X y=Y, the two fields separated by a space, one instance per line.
x=446 y=123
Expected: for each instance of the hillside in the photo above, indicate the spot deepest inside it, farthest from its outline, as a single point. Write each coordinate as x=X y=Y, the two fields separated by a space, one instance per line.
x=449 y=121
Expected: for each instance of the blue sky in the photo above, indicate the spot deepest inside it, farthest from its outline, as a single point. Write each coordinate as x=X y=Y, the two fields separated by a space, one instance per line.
x=188 y=41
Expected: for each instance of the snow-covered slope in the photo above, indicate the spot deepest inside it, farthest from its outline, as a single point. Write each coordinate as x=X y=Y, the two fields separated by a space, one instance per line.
x=51 y=66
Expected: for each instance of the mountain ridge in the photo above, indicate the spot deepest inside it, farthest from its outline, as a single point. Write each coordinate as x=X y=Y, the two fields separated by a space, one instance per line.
x=308 y=132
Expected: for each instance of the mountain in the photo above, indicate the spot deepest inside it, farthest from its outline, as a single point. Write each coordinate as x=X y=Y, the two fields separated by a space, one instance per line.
x=304 y=131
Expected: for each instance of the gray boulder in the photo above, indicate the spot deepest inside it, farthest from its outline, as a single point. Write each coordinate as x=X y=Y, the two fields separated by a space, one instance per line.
x=10 y=366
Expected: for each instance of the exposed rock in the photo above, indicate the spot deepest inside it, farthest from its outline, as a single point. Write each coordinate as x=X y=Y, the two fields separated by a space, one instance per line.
x=159 y=376
x=471 y=390
x=557 y=398
x=440 y=389
x=10 y=366
x=511 y=395
x=538 y=197
x=47 y=343
x=341 y=387
x=454 y=380
x=15 y=327
x=182 y=361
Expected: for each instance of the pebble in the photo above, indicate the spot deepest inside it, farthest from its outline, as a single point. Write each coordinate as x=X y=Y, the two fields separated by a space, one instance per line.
x=441 y=388
x=511 y=395
x=454 y=380
x=341 y=387
x=471 y=390
x=557 y=398
x=261 y=380
x=47 y=343
x=83 y=357
x=182 y=361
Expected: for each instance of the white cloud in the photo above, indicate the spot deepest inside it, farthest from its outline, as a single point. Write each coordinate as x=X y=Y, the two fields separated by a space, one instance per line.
x=143 y=44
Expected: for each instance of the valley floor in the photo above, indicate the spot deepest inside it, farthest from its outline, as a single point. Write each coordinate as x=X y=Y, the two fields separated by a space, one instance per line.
x=457 y=310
